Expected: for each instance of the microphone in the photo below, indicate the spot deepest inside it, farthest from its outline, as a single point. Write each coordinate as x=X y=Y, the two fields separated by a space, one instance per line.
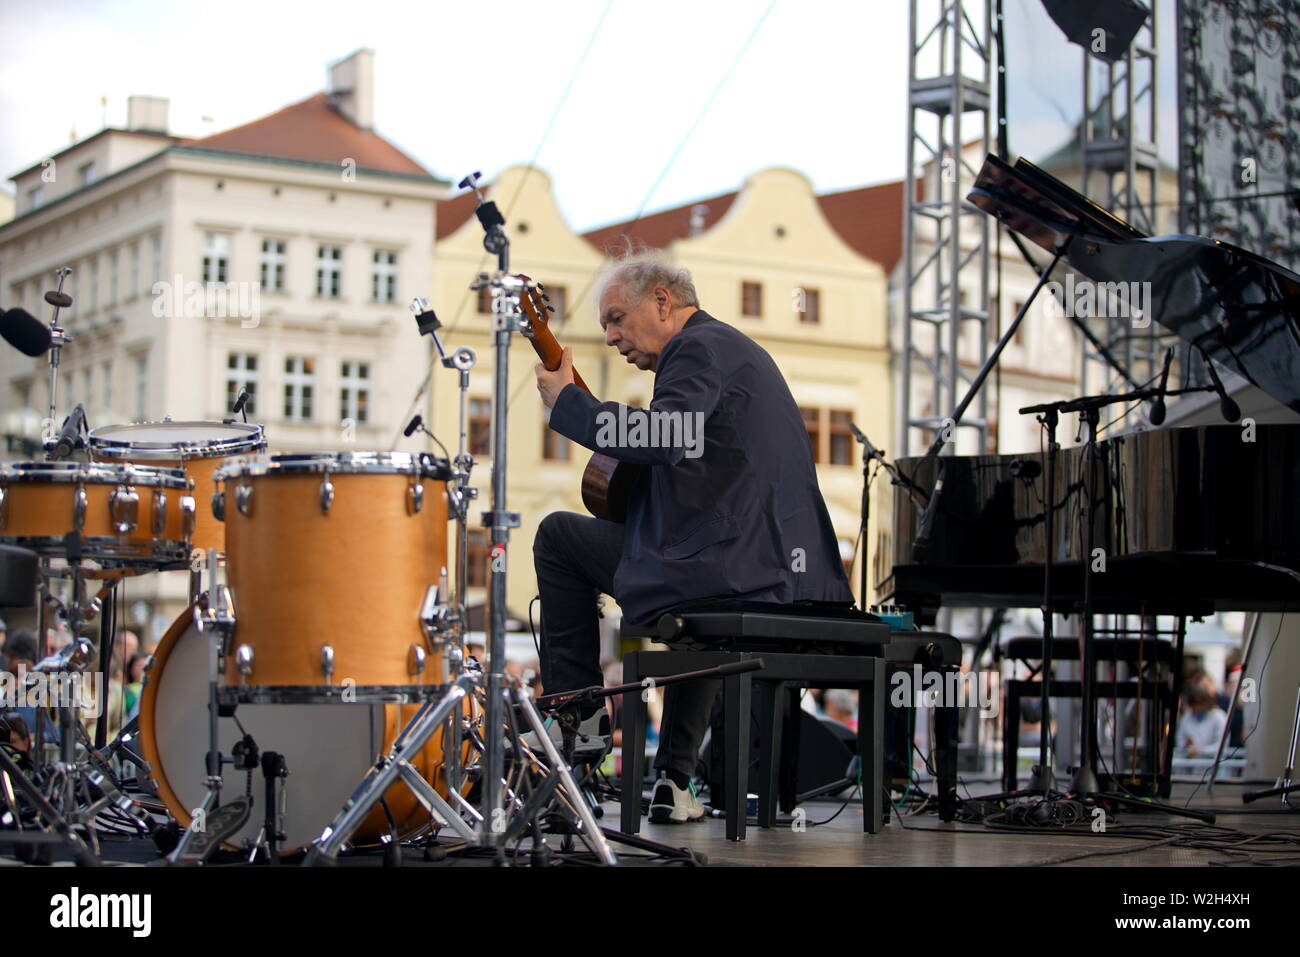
x=240 y=401
x=1229 y=409
x=25 y=332
x=411 y=426
x=70 y=436
x=1157 y=416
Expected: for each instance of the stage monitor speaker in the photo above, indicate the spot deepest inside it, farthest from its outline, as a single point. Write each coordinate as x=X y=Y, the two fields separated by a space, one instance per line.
x=1117 y=20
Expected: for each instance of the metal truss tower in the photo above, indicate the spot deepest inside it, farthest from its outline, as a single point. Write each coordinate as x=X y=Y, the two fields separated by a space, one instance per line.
x=1121 y=172
x=945 y=308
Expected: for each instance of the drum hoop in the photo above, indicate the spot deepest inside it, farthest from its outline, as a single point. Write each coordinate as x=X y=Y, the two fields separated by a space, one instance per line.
x=111 y=552
x=253 y=442
x=332 y=694
x=92 y=473
x=420 y=465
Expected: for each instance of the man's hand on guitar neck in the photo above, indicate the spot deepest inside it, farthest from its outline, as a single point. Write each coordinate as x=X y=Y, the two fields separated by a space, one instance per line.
x=551 y=384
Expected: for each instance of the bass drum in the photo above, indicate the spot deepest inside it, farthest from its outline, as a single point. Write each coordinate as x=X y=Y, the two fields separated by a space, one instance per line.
x=328 y=749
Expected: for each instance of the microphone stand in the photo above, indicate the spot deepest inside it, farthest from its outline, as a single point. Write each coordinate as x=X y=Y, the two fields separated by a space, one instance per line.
x=1084 y=783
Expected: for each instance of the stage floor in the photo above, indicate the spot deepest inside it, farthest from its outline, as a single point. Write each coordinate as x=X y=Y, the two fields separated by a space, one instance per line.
x=917 y=841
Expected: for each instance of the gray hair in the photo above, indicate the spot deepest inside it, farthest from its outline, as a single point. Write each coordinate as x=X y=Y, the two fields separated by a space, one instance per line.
x=637 y=275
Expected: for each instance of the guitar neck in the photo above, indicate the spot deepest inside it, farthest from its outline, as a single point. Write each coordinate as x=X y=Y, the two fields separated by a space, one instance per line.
x=548 y=350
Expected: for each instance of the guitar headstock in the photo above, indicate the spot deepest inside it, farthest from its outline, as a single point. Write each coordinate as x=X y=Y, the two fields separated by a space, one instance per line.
x=536 y=307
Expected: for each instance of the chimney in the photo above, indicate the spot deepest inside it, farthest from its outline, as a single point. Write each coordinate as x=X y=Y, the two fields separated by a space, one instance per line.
x=148 y=114
x=698 y=217
x=352 y=87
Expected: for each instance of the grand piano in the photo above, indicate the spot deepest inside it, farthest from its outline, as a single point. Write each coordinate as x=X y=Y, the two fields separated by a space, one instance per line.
x=1191 y=520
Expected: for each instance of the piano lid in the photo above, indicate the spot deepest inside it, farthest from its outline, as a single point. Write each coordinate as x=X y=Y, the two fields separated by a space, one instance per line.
x=1241 y=308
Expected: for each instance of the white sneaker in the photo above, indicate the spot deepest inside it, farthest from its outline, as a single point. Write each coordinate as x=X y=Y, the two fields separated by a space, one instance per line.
x=673 y=805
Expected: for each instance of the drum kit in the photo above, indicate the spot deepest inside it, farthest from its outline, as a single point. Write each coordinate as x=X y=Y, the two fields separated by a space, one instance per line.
x=321 y=645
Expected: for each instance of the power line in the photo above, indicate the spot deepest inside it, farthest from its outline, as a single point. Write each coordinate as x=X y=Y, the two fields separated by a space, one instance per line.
x=464 y=301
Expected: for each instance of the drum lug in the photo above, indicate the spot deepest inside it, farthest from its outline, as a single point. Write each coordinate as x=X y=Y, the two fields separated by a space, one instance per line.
x=219 y=506
x=188 y=516
x=415 y=659
x=244 y=660
x=244 y=500
x=414 y=498
x=159 y=511
x=124 y=509
x=79 y=504
x=327 y=661
x=326 y=493
x=4 y=507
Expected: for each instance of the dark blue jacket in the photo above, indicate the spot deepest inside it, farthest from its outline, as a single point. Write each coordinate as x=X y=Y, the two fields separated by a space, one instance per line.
x=736 y=515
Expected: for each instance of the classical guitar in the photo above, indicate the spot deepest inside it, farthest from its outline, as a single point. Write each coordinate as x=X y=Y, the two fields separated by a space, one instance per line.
x=606 y=482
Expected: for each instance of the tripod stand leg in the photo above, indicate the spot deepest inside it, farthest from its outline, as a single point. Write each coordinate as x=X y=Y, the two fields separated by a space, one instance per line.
x=385 y=774
x=52 y=818
x=592 y=832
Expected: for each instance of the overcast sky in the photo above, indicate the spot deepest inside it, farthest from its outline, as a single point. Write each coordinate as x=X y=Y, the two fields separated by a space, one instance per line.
x=464 y=86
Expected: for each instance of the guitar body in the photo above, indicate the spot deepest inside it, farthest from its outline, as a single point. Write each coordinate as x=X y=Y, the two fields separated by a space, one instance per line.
x=606 y=485
x=606 y=482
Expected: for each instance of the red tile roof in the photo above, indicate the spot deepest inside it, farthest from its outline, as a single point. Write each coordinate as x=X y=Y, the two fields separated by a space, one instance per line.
x=658 y=230
x=452 y=213
x=870 y=219
x=313 y=131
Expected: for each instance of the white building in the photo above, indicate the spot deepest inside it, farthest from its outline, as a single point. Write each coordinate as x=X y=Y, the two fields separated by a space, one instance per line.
x=319 y=228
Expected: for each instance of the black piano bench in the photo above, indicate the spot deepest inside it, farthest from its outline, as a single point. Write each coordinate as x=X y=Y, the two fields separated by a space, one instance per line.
x=800 y=648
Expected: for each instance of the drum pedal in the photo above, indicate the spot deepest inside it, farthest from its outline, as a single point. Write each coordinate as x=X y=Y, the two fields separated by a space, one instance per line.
x=221 y=824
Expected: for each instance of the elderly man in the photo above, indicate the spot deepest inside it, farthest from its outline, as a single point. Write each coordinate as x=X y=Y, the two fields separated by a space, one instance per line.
x=729 y=508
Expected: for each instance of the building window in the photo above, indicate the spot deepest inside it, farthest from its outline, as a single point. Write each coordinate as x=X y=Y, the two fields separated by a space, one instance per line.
x=559 y=302
x=841 y=438
x=94 y=284
x=87 y=173
x=216 y=257
x=812 y=305
x=383 y=276
x=1019 y=337
x=157 y=257
x=272 y=265
x=108 y=385
x=354 y=393
x=476 y=558
x=35 y=197
x=88 y=387
x=141 y=387
x=329 y=271
x=555 y=447
x=480 y=426
x=299 y=388
x=485 y=301
x=112 y=279
x=133 y=277
x=751 y=299
x=812 y=421
x=241 y=373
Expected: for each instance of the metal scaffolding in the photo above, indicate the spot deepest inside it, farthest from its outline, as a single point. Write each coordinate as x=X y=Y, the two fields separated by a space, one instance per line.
x=1120 y=172
x=946 y=315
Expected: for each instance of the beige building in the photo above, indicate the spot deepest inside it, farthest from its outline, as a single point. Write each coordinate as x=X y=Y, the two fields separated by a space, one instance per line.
x=278 y=256
x=764 y=259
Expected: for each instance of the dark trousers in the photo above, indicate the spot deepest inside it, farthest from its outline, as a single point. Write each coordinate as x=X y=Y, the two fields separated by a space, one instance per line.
x=575 y=557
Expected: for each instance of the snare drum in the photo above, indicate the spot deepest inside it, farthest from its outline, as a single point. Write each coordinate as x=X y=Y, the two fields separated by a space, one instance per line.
x=327 y=751
x=127 y=516
x=329 y=558
x=196 y=447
